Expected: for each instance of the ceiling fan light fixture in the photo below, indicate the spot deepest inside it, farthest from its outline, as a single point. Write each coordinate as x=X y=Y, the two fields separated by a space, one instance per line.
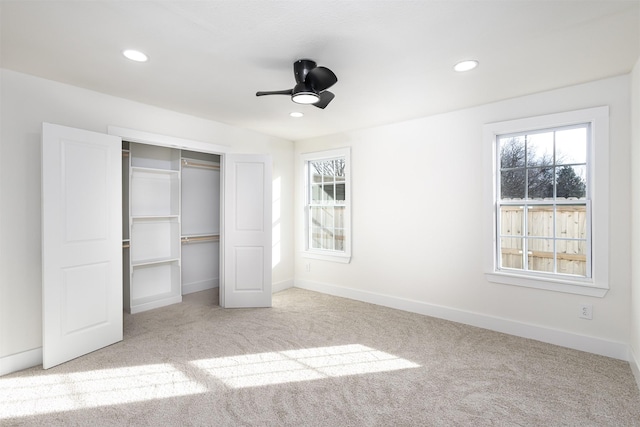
x=311 y=86
x=305 y=98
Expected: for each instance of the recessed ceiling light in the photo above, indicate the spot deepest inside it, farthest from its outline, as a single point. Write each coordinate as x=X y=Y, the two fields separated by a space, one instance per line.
x=296 y=114
x=135 y=55
x=466 y=65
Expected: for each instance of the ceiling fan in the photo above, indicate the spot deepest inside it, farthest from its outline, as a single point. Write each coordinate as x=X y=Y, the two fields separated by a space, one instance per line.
x=311 y=86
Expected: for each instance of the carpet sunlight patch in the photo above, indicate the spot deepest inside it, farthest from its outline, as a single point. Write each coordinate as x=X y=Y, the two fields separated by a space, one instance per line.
x=42 y=394
x=261 y=369
x=51 y=393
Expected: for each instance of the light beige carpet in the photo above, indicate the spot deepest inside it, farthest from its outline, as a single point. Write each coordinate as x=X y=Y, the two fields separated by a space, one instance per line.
x=319 y=360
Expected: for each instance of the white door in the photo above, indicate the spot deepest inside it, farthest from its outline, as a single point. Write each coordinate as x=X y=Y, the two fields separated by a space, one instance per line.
x=81 y=242
x=246 y=266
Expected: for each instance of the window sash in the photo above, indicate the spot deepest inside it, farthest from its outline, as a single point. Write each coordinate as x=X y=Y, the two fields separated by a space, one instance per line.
x=523 y=258
x=326 y=231
x=524 y=251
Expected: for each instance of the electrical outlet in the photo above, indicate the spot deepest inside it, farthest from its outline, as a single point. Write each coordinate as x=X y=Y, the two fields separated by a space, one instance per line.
x=586 y=311
x=307 y=267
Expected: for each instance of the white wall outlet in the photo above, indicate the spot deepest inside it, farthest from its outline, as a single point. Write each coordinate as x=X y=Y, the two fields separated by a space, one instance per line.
x=586 y=311
x=307 y=267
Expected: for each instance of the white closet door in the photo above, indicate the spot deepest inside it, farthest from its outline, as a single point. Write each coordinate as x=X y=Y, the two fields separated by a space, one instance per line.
x=247 y=231
x=81 y=242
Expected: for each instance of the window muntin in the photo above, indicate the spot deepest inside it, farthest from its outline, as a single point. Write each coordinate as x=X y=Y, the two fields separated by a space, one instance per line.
x=542 y=205
x=327 y=231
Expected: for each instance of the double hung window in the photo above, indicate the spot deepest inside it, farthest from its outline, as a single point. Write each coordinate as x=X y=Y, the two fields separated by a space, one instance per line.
x=549 y=203
x=543 y=206
x=327 y=205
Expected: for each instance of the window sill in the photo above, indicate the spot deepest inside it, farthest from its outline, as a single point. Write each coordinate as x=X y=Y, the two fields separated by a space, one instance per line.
x=577 y=286
x=344 y=259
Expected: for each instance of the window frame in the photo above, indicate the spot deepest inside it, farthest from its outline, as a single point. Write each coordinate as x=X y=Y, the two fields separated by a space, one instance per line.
x=323 y=254
x=597 y=198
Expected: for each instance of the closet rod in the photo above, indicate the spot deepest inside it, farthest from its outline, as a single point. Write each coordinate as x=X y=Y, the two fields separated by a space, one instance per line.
x=200 y=239
x=191 y=164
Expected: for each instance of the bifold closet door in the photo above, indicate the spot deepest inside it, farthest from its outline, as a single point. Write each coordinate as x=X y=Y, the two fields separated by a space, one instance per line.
x=81 y=242
x=247 y=231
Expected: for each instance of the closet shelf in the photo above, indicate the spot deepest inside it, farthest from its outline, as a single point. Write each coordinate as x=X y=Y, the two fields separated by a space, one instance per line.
x=145 y=262
x=196 y=164
x=146 y=217
x=154 y=170
x=139 y=303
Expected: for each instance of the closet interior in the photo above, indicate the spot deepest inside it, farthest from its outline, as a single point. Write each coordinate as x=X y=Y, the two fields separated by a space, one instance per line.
x=171 y=224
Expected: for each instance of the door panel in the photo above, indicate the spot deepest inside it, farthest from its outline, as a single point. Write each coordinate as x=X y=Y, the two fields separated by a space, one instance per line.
x=81 y=242
x=79 y=285
x=249 y=268
x=247 y=231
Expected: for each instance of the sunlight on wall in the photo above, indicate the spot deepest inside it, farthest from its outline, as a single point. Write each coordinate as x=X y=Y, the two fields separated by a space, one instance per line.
x=275 y=218
x=42 y=394
x=300 y=365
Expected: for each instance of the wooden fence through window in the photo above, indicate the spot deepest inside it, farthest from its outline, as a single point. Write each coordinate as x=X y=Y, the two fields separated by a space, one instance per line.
x=571 y=243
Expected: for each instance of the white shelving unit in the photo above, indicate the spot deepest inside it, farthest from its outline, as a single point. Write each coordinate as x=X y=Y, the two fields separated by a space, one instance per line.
x=171 y=225
x=154 y=228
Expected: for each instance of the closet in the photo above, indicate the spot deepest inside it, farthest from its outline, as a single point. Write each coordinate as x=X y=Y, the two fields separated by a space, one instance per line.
x=136 y=229
x=171 y=224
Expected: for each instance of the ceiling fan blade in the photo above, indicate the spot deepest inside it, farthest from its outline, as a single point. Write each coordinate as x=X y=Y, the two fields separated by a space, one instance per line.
x=301 y=68
x=325 y=99
x=276 y=92
x=321 y=78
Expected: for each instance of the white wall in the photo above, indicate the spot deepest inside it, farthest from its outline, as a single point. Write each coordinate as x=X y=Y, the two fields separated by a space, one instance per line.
x=27 y=102
x=416 y=242
x=635 y=229
x=417 y=191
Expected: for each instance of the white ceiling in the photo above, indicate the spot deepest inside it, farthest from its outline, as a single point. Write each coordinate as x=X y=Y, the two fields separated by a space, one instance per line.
x=393 y=58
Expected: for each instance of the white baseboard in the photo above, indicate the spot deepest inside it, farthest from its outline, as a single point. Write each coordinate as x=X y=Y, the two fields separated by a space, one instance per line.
x=634 y=362
x=189 y=288
x=19 y=361
x=599 y=346
x=281 y=286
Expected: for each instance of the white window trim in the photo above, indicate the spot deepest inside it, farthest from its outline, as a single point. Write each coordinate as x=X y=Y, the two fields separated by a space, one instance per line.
x=598 y=158
x=342 y=257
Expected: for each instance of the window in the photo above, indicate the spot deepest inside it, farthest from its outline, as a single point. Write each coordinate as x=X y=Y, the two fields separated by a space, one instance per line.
x=542 y=208
x=549 y=205
x=327 y=205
